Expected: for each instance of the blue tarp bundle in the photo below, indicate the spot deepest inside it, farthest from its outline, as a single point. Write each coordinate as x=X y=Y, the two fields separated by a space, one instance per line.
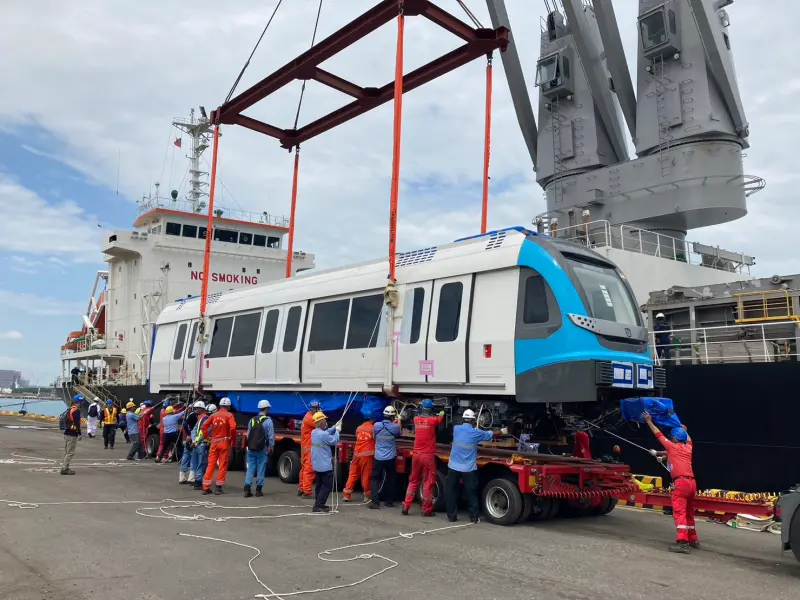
x=295 y=405
x=660 y=409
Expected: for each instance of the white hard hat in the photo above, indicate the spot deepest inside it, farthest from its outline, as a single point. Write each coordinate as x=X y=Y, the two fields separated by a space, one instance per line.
x=660 y=316
x=211 y=407
x=263 y=404
x=389 y=411
x=225 y=402
x=468 y=414
x=96 y=399
x=199 y=404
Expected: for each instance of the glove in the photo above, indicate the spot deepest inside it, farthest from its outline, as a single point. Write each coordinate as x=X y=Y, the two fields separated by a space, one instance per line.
x=660 y=459
x=504 y=430
x=654 y=453
x=338 y=426
x=441 y=414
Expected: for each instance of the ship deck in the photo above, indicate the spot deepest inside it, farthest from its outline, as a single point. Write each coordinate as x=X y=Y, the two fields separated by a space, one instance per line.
x=106 y=550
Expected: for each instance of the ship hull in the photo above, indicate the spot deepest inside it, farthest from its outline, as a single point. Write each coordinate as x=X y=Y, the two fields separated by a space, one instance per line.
x=139 y=393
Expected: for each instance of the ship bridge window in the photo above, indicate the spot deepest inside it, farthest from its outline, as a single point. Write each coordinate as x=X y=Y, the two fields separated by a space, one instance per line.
x=274 y=242
x=201 y=233
x=654 y=30
x=547 y=70
x=190 y=231
x=245 y=238
x=259 y=240
x=173 y=229
x=226 y=235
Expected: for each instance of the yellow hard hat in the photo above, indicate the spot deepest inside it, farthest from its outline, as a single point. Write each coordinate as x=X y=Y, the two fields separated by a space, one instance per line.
x=170 y=410
x=124 y=412
x=130 y=405
x=319 y=416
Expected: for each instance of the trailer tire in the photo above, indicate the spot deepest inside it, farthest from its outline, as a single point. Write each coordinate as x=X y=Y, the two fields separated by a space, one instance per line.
x=527 y=508
x=237 y=459
x=288 y=467
x=794 y=534
x=151 y=444
x=502 y=502
x=541 y=508
x=438 y=491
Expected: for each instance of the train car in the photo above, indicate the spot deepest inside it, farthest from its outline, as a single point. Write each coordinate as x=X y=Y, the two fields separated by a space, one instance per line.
x=527 y=329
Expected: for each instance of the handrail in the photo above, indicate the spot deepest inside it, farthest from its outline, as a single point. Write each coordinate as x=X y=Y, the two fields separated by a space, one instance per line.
x=263 y=218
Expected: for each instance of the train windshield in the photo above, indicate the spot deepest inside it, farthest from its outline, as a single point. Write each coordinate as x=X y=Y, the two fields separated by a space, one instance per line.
x=605 y=291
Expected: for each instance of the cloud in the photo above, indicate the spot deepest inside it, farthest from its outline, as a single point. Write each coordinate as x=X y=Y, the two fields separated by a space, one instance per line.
x=39 y=306
x=34 y=226
x=11 y=335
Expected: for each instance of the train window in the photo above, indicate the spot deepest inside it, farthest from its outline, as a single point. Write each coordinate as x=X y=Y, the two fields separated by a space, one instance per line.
x=193 y=342
x=179 y=343
x=292 y=328
x=220 y=338
x=416 y=314
x=328 y=325
x=245 y=334
x=270 y=332
x=449 y=316
x=190 y=231
x=259 y=240
x=606 y=293
x=173 y=228
x=365 y=317
x=226 y=235
x=535 y=302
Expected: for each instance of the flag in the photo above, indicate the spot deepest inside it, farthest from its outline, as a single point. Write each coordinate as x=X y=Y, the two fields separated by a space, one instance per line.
x=178 y=142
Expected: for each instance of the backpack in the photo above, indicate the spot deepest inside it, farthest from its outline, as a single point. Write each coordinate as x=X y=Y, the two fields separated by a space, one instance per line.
x=256 y=439
x=93 y=410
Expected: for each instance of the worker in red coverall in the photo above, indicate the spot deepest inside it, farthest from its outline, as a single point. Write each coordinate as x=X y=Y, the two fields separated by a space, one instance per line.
x=304 y=489
x=582 y=447
x=363 y=459
x=223 y=427
x=423 y=461
x=161 y=427
x=144 y=424
x=679 y=457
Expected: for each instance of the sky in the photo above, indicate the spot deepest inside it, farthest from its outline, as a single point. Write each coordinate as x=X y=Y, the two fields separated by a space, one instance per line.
x=90 y=89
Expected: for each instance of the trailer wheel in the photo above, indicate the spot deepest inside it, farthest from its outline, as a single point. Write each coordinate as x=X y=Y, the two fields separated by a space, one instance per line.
x=541 y=508
x=289 y=466
x=151 y=444
x=605 y=507
x=794 y=534
x=502 y=502
x=237 y=459
x=527 y=508
x=438 y=491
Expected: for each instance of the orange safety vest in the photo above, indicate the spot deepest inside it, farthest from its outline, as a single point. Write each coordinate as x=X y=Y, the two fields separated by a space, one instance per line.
x=365 y=441
x=109 y=416
x=75 y=419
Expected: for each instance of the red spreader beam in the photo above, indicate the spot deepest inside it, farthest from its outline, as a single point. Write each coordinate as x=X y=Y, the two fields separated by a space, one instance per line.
x=478 y=42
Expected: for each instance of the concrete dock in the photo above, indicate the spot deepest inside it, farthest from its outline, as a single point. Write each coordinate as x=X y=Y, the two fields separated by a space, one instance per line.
x=100 y=548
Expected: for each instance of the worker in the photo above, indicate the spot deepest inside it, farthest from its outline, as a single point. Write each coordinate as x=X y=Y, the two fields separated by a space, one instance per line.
x=171 y=425
x=423 y=461
x=144 y=425
x=662 y=330
x=200 y=453
x=679 y=454
x=72 y=433
x=220 y=445
x=323 y=440
x=582 y=447
x=109 y=425
x=384 y=470
x=463 y=465
x=161 y=437
x=363 y=460
x=260 y=444
x=133 y=418
x=92 y=415
x=306 y=468
x=189 y=423
x=122 y=424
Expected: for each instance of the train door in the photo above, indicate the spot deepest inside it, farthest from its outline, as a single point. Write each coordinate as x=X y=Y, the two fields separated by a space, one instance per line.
x=410 y=357
x=177 y=373
x=447 y=334
x=162 y=353
x=290 y=343
x=267 y=354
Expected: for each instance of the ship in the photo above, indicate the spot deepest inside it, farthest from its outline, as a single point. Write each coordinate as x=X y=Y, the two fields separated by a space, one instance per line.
x=159 y=261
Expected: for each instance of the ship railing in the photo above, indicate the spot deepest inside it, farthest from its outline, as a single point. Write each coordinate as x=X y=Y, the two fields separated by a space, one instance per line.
x=603 y=234
x=237 y=214
x=749 y=343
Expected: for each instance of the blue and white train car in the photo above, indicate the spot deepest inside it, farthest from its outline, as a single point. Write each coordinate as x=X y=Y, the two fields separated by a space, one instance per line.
x=509 y=320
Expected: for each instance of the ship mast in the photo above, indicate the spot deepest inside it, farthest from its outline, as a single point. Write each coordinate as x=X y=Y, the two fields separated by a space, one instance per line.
x=198 y=131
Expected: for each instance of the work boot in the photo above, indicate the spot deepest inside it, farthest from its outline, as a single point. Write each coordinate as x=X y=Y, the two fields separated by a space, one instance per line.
x=429 y=514
x=259 y=493
x=198 y=486
x=219 y=491
x=695 y=544
x=181 y=477
x=367 y=498
x=474 y=520
x=374 y=505
x=300 y=493
x=247 y=492
x=191 y=477
x=307 y=496
x=347 y=499
x=324 y=509
x=404 y=511
x=389 y=504
x=452 y=519
x=680 y=548
x=207 y=492
x=67 y=472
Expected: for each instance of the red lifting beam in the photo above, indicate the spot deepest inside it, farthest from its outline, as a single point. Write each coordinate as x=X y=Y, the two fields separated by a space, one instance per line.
x=478 y=42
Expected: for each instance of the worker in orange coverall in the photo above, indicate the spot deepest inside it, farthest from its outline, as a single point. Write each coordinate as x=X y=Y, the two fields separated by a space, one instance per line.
x=304 y=490
x=679 y=458
x=423 y=461
x=363 y=459
x=224 y=436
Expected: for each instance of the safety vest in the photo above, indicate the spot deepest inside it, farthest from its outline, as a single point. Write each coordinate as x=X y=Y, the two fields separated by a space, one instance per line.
x=74 y=419
x=109 y=416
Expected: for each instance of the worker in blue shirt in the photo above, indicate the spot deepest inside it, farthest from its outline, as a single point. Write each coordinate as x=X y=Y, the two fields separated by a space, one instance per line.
x=383 y=470
x=199 y=463
x=184 y=474
x=323 y=441
x=171 y=422
x=260 y=443
x=463 y=465
x=132 y=418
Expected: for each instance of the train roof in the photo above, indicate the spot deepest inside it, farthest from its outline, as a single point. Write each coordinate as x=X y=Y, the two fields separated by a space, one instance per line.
x=483 y=252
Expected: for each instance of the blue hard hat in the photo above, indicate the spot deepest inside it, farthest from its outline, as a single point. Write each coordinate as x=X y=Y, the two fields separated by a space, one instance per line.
x=109 y=402
x=148 y=403
x=78 y=398
x=427 y=403
x=314 y=404
x=679 y=434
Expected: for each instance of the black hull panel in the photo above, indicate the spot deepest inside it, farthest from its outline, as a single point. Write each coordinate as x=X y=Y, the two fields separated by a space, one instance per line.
x=139 y=393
